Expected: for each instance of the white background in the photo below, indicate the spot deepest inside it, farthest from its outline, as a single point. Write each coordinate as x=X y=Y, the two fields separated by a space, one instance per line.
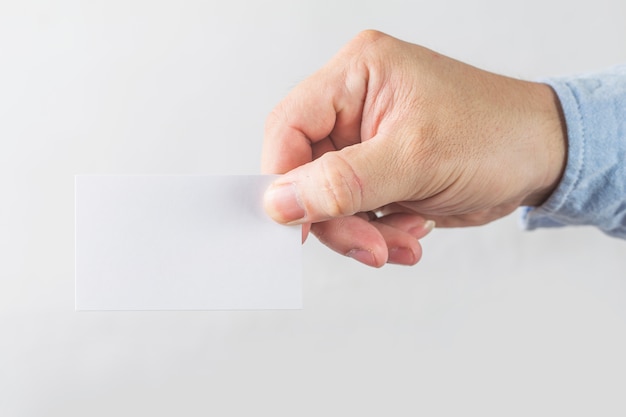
x=492 y=322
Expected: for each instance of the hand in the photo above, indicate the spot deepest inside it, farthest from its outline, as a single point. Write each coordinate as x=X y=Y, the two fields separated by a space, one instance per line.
x=393 y=126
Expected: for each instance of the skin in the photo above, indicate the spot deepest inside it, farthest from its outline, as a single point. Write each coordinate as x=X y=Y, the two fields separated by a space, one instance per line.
x=394 y=126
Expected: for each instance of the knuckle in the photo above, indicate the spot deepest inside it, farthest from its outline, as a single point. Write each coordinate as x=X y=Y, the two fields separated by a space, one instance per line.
x=370 y=36
x=370 y=44
x=341 y=192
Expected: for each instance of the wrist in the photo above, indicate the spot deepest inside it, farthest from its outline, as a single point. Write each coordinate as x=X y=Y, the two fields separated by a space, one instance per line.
x=551 y=145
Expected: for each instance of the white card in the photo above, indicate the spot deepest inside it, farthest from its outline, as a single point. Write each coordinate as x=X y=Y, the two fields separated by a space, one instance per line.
x=182 y=243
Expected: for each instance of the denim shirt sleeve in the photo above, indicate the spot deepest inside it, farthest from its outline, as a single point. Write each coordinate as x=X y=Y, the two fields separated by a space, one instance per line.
x=593 y=188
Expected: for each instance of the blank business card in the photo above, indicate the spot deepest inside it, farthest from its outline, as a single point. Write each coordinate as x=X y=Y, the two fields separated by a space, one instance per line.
x=182 y=243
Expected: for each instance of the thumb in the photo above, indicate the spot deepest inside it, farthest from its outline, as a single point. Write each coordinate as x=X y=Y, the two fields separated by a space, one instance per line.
x=357 y=178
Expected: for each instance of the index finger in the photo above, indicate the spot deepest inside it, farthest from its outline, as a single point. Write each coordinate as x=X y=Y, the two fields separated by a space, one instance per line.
x=324 y=111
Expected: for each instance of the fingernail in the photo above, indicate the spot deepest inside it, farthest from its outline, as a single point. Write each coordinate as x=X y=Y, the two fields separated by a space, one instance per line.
x=282 y=203
x=363 y=256
x=421 y=231
x=402 y=256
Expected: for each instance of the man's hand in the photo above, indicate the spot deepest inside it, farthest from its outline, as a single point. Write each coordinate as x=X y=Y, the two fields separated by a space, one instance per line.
x=394 y=128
